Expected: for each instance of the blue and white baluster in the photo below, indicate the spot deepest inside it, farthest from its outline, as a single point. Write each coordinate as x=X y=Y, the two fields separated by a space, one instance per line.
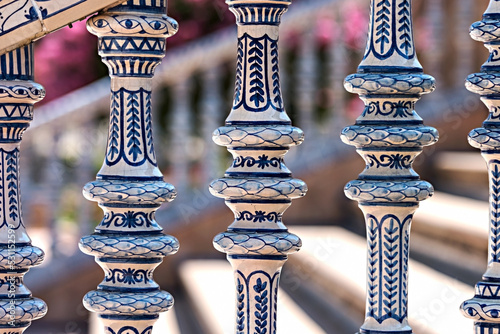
x=128 y=243
x=463 y=44
x=18 y=93
x=484 y=307
x=389 y=135
x=258 y=187
x=337 y=68
x=212 y=102
x=181 y=130
x=306 y=90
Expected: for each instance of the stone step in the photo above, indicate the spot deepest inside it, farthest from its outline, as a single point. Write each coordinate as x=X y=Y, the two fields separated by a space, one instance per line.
x=333 y=260
x=463 y=173
x=209 y=285
x=454 y=230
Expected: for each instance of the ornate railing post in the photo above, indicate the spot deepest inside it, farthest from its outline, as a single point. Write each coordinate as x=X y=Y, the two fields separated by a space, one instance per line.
x=484 y=307
x=128 y=243
x=389 y=135
x=258 y=187
x=18 y=93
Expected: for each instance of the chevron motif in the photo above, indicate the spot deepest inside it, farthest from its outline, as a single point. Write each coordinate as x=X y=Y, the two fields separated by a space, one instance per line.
x=132 y=44
x=488 y=289
x=15 y=110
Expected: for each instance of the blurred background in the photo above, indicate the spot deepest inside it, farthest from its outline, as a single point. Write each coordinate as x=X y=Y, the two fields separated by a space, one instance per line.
x=321 y=42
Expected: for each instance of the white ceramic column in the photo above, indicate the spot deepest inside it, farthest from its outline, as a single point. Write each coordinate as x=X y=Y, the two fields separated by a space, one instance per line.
x=128 y=243
x=484 y=307
x=181 y=134
x=257 y=187
x=308 y=88
x=18 y=93
x=389 y=135
x=212 y=103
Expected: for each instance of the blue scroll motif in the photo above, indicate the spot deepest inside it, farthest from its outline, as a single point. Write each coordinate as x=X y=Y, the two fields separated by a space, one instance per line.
x=259 y=216
x=130 y=129
x=400 y=109
x=257 y=87
x=386 y=238
x=262 y=162
x=128 y=276
x=393 y=161
x=391 y=30
x=129 y=219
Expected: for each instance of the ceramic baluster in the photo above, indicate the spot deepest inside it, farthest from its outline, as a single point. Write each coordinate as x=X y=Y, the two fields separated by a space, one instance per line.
x=484 y=307
x=463 y=44
x=337 y=67
x=389 y=135
x=128 y=243
x=307 y=89
x=257 y=187
x=53 y=179
x=212 y=103
x=434 y=14
x=17 y=254
x=180 y=131
x=84 y=171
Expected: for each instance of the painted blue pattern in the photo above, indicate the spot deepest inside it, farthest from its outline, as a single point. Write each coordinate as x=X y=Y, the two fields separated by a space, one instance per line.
x=9 y=189
x=495 y=210
x=17 y=14
x=259 y=216
x=240 y=307
x=388 y=247
x=128 y=220
x=250 y=14
x=392 y=161
x=260 y=289
x=262 y=89
x=132 y=44
x=392 y=18
x=261 y=304
x=130 y=276
x=130 y=134
x=128 y=330
x=400 y=109
x=263 y=161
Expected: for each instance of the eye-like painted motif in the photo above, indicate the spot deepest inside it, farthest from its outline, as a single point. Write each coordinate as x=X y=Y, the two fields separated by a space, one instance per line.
x=471 y=312
x=129 y=23
x=100 y=23
x=157 y=25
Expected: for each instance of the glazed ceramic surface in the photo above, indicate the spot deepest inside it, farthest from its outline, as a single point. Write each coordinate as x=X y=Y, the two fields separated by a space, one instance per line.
x=128 y=243
x=484 y=308
x=17 y=254
x=257 y=187
x=23 y=21
x=389 y=135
